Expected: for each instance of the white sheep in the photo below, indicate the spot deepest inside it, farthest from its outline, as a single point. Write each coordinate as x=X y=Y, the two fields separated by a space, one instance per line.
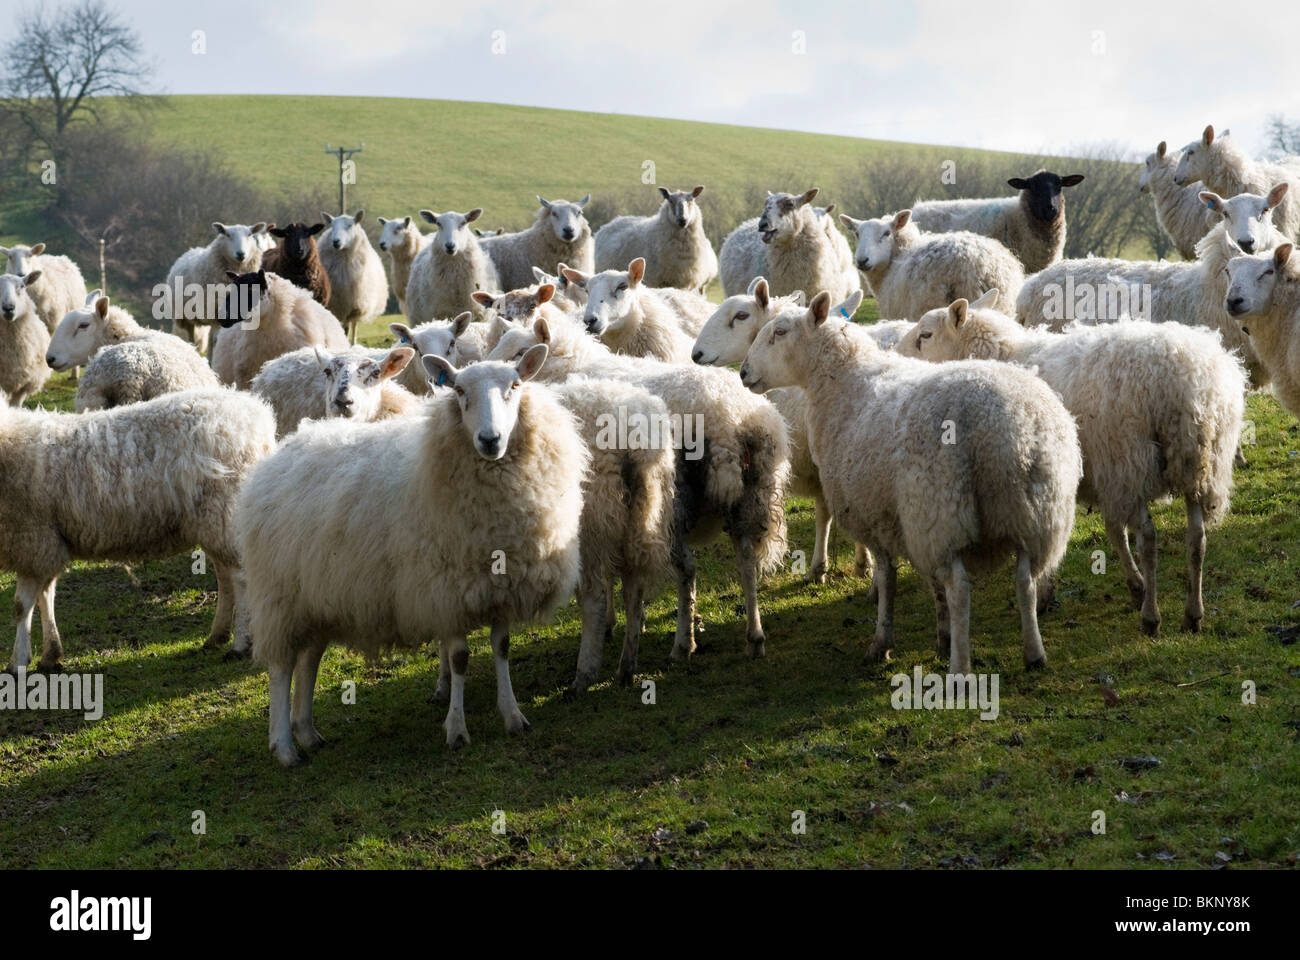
x=518 y=308
x=691 y=309
x=1226 y=169
x=452 y=267
x=569 y=295
x=560 y=232
x=1031 y=225
x=310 y=384
x=733 y=466
x=60 y=288
x=460 y=341
x=672 y=242
x=1159 y=410
x=267 y=317
x=471 y=512
x=789 y=246
x=1180 y=212
x=952 y=467
x=140 y=482
x=912 y=272
x=198 y=276
x=358 y=284
x=23 y=340
x=1263 y=297
x=402 y=240
x=628 y=317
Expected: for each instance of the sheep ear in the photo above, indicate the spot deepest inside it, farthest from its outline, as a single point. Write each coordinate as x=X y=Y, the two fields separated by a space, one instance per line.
x=698 y=190
x=799 y=297
x=986 y=300
x=808 y=196
x=850 y=222
x=429 y=216
x=830 y=208
x=322 y=358
x=1277 y=193
x=232 y=276
x=278 y=232
x=538 y=273
x=574 y=276
x=761 y=291
x=542 y=330
x=635 y=271
x=326 y=217
x=753 y=285
x=901 y=218
x=664 y=192
x=1073 y=180
x=31 y=278
x=314 y=229
x=820 y=308
x=473 y=214
x=1282 y=254
x=395 y=362
x=1161 y=147
x=101 y=308
x=1207 y=137
x=585 y=200
x=219 y=227
x=93 y=296
x=543 y=201
x=38 y=249
x=382 y=220
x=850 y=306
x=406 y=222
x=402 y=332
x=531 y=362
x=1212 y=200
x=359 y=216
x=260 y=226
x=957 y=312
x=461 y=323
x=440 y=372
x=1018 y=183
x=545 y=292
x=482 y=299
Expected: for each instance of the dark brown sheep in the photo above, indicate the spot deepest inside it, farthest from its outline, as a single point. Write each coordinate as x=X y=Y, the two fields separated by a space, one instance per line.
x=296 y=259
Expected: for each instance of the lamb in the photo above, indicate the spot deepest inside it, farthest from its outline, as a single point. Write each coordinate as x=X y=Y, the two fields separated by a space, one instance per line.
x=912 y=272
x=309 y=384
x=628 y=318
x=23 y=340
x=672 y=241
x=691 y=309
x=197 y=276
x=60 y=287
x=358 y=284
x=734 y=480
x=450 y=268
x=459 y=341
x=1263 y=296
x=474 y=521
x=1099 y=290
x=1179 y=210
x=951 y=467
x=789 y=246
x=1030 y=225
x=569 y=295
x=1224 y=168
x=297 y=259
x=560 y=232
x=518 y=308
x=141 y=482
x=1159 y=410
x=267 y=317
x=402 y=241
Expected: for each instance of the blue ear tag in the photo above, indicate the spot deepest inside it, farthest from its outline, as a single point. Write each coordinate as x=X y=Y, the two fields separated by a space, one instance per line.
x=442 y=378
x=404 y=340
x=845 y=314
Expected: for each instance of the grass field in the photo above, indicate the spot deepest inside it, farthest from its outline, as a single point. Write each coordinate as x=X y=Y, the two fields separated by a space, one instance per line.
x=713 y=772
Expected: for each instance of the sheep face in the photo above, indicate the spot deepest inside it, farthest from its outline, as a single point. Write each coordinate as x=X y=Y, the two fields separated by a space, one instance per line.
x=342 y=230
x=237 y=242
x=1194 y=162
x=436 y=339
x=1246 y=215
x=394 y=232
x=612 y=298
x=14 y=299
x=453 y=233
x=518 y=307
x=936 y=336
x=726 y=335
x=680 y=206
x=1042 y=192
x=298 y=239
x=353 y=381
x=784 y=214
x=772 y=360
x=244 y=294
x=566 y=219
x=1251 y=281
x=1156 y=164
x=875 y=246
x=488 y=395
x=79 y=334
x=20 y=257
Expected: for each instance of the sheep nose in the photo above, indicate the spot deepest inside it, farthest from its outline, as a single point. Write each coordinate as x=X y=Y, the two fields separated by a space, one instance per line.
x=489 y=442
x=343 y=403
x=449 y=247
x=744 y=373
x=337 y=245
x=681 y=221
x=568 y=233
x=1235 y=304
x=863 y=263
x=49 y=359
x=1247 y=245
x=697 y=356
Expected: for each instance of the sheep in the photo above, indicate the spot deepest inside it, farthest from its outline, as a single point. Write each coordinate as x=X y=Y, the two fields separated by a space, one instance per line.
x=358 y=284
x=422 y=527
x=1263 y=296
x=735 y=480
x=297 y=259
x=60 y=287
x=199 y=274
x=1089 y=291
x=1030 y=225
x=1159 y=410
x=789 y=246
x=569 y=295
x=951 y=467
x=83 y=332
x=628 y=318
x=726 y=339
x=912 y=272
x=460 y=341
x=23 y=340
x=559 y=232
x=518 y=308
x=672 y=241
x=267 y=316
x=402 y=241
x=449 y=269
x=1179 y=210
x=309 y=384
x=489 y=233
x=1224 y=168
x=690 y=308
x=140 y=482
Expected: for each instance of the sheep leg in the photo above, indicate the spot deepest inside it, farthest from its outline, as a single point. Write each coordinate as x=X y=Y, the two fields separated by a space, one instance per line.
x=506 y=703
x=634 y=616
x=747 y=564
x=611 y=615
x=821 y=540
x=243 y=621
x=304 y=695
x=1147 y=546
x=25 y=594
x=958 y=588
x=684 y=642
x=1117 y=533
x=225 y=615
x=591 y=598
x=443 y=690
x=943 y=630
x=1027 y=600
x=886 y=579
x=282 y=748
x=52 y=646
x=352 y=332
x=456 y=652
x=1046 y=590
x=1195 y=609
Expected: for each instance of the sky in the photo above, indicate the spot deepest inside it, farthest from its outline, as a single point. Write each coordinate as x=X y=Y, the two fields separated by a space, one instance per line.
x=1022 y=76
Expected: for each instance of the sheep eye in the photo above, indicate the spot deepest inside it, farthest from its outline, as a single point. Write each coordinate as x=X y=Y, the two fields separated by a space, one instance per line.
x=926 y=335
x=459 y=391
x=1268 y=273
x=83 y=324
x=620 y=287
x=780 y=332
x=743 y=315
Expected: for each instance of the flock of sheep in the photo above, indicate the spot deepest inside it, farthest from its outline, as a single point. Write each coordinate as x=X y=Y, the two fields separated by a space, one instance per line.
x=467 y=475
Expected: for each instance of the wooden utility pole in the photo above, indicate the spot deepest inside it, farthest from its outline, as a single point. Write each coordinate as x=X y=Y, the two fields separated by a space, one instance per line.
x=344 y=154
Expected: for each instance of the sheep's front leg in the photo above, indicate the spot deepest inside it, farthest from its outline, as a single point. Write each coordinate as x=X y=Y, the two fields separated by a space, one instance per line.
x=885 y=580
x=747 y=564
x=821 y=540
x=305 y=672
x=942 y=628
x=52 y=646
x=591 y=598
x=1027 y=600
x=684 y=561
x=282 y=748
x=506 y=703
x=1195 y=609
x=958 y=588
x=634 y=614
x=455 y=651
x=1147 y=545
x=25 y=594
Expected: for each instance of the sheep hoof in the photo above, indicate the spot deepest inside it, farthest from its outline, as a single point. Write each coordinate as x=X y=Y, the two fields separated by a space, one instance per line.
x=287 y=756
x=517 y=723
x=457 y=740
x=625 y=674
x=49 y=666
x=308 y=738
x=816 y=575
x=879 y=649
x=754 y=646
x=1191 y=624
x=234 y=653
x=1151 y=627
x=682 y=652
x=1036 y=664
x=942 y=644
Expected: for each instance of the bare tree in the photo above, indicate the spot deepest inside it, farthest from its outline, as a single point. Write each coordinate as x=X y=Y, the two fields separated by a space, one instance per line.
x=1283 y=137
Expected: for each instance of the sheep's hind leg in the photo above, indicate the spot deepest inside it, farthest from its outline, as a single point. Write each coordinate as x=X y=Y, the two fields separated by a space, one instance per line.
x=747 y=564
x=958 y=588
x=1027 y=600
x=455 y=651
x=1117 y=533
x=224 y=617
x=684 y=641
x=304 y=693
x=51 y=645
x=634 y=614
x=1147 y=546
x=821 y=539
x=25 y=594
x=506 y=703
x=591 y=598
x=885 y=580
x=1195 y=609
x=942 y=627
x=282 y=748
